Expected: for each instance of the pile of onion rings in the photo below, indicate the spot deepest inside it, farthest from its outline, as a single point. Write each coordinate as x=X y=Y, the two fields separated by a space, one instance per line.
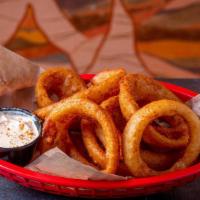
x=126 y=124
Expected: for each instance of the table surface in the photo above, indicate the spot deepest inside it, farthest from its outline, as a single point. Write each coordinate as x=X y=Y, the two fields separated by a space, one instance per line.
x=10 y=190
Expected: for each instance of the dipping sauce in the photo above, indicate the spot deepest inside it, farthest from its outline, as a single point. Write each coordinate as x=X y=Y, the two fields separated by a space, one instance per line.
x=16 y=130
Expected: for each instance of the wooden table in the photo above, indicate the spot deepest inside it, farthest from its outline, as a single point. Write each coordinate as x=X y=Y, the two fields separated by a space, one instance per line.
x=9 y=190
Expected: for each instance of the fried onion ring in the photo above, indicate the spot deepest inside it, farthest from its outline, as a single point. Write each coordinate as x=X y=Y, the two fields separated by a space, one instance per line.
x=96 y=93
x=139 y=121
x=58 y=80
x=86 y=109
x=159 y=160
x=58 y=136
x=112 y=106
x=164 y=138
x=106 y=75
x=95 y=151
x=135 y=88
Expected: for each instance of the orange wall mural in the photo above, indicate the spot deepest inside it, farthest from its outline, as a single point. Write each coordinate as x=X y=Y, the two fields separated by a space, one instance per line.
x=155 y=37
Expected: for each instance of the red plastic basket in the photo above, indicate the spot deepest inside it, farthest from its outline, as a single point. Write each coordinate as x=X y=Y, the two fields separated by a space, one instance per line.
x=103 y=189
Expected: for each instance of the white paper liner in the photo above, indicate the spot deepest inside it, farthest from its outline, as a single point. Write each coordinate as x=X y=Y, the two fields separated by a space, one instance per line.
x=194 y=103
x=56 y=162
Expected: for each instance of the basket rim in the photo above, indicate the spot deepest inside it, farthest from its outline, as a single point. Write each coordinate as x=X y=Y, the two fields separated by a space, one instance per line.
x=70 y=182
x=6 y=167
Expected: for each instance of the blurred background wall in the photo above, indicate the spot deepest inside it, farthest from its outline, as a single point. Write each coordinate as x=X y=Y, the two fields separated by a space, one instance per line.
x=156 y=37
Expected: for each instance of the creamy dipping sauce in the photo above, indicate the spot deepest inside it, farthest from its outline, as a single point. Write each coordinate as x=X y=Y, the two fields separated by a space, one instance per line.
x=16 y=130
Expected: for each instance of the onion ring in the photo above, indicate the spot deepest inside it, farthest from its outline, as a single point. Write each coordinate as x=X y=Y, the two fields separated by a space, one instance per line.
x=87 y=109
x=96 y=93
x=58 y=80
x=135 y=88
x=139 y=121
x=178 y=123
x=88 y=136
x=159 y=160
x=106 y=75
x=112 y=106
x=95 y=151
x=58 y=136
x=162 y=137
